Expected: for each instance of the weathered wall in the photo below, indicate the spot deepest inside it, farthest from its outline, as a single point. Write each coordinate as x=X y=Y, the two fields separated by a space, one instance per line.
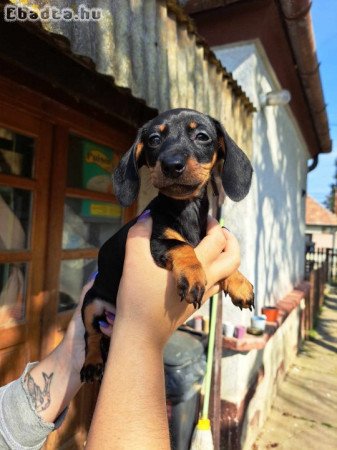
x=276 y=359
x=269 y=224
x=250 y=379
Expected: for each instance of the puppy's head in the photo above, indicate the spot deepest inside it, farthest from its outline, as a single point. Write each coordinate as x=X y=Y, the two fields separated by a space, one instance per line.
x=180 y=148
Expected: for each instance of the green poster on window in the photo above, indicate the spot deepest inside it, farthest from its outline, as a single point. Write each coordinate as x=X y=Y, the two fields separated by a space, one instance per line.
x=98 y=162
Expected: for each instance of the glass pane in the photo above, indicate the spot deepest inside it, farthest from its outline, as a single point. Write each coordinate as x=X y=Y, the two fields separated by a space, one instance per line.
x=89 y=223
x=12 y=292
x=16 y=153
x=15 y=212
x=90 y=165
x=74 y=275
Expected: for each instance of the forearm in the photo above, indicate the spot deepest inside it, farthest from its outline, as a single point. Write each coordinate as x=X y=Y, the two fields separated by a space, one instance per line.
x=53 y=383
x=20 y=424
x=131 y=409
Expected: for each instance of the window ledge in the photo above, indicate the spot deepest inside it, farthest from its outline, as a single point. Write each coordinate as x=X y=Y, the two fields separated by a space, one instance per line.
x=285 y=306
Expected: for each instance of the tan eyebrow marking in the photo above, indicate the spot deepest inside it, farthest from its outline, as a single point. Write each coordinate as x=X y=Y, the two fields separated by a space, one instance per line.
x=193 y=125
x=162 y=127
x=139 y=149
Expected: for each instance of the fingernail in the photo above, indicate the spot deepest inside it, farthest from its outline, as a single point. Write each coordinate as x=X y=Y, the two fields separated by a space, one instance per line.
x=103 y=324
x=144 y=215
x=92 y=276
x=226 y=229
x=110 y=315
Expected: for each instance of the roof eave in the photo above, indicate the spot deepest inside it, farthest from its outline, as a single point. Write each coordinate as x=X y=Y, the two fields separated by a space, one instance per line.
x=296 y=20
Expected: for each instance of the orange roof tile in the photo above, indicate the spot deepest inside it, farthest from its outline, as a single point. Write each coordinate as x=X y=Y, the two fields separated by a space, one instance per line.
x=316 y=214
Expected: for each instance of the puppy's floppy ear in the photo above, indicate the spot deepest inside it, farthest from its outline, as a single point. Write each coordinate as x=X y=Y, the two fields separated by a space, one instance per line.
x=237 y=170
x=125 y=179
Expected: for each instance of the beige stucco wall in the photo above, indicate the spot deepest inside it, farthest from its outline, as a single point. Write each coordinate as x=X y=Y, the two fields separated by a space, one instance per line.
x=270 y=226
x=324 y=240
x=269 y=222
x=276 y=359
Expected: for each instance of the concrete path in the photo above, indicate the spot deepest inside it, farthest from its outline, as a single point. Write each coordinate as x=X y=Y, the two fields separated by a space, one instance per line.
x=304 y=414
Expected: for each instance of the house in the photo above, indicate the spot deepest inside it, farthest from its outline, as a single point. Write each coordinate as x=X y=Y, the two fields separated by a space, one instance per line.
x=320 y=226
x=74 y=92
x=268 y=46
x=72 y=96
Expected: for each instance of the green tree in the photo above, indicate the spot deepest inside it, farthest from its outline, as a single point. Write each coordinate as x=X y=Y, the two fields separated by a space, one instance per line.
x=330 y=199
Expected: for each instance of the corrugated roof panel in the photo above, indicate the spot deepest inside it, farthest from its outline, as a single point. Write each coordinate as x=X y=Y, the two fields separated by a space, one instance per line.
x=162 y=64
x=138 y=48
x=173 y=63
x=150 y=47
x=187 y=42
x=182 y=75
x=105 y=59
x=150 y=52
x=198 y=78
x=122 y=67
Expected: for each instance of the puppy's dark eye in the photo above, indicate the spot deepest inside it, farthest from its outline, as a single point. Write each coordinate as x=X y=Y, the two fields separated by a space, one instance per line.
x=154 y=140
x=202 y=136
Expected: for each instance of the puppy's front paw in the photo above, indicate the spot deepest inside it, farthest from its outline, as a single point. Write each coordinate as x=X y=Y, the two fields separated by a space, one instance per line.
x=93 y=366
x=191 y=285
x=240 y=290
x=92 y=372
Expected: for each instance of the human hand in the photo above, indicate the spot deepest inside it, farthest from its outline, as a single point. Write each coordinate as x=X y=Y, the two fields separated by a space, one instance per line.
x=73 y=342
x=148 y=304
x=62 y=366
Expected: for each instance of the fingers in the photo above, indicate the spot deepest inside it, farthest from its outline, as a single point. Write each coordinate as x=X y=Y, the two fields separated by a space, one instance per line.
x=142 y=228
x=219 y=253
x=85 y=289
x=222 y=268
x=211 y=223
x=232 y=249
x=106 y=325
x=138 y=242
x=212 y=244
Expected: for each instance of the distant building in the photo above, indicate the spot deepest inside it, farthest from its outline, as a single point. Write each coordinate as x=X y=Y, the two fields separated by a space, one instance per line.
x=320 y=226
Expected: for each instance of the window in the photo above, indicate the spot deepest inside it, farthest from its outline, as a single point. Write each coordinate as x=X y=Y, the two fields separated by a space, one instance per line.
x=17 y=155
x=91 y=215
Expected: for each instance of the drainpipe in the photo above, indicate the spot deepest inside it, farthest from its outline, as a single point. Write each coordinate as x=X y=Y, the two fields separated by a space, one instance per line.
x=313 y=165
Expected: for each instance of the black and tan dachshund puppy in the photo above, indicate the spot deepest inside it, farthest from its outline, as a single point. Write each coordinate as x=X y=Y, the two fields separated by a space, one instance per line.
x=181 y=148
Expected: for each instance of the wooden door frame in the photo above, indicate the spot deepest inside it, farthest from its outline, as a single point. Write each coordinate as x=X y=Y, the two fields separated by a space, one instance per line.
x=28 y=329
x=57 y=121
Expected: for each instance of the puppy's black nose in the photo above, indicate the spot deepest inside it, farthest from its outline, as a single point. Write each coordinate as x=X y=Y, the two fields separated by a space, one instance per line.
x=173 y=165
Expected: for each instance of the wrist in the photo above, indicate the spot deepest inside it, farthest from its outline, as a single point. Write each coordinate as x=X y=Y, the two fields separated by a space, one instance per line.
x=66 y=357
x=129 y=332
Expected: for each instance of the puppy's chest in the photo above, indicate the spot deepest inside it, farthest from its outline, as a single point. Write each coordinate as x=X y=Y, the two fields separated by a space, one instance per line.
x=179 y=220
x=192 y=228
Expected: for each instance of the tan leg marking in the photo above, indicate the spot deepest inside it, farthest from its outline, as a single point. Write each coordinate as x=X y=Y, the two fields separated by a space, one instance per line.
x=239 y=289
x=188 y=272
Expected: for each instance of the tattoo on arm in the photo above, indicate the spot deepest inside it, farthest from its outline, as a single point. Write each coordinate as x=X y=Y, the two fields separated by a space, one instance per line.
x=41 y=398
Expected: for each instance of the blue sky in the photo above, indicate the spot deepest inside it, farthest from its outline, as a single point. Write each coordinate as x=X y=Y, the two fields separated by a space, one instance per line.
x=324 y=16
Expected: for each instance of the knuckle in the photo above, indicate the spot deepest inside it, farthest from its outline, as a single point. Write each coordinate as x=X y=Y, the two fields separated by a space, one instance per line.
x=133 y=231
x=219 y=238
x=237 y=260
